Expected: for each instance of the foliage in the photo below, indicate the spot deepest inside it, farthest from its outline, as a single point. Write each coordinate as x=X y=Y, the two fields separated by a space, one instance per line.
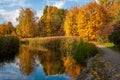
x=51 y=22
x=109 y=2
x=115 y=37
x=27 y=26
x=104 y=32
x=9 y=45
x=6 y=29
x=106 y=2
x=84 y=51
x=116 y=20
x=87 y=22
x=70 y=23
x=109 y=44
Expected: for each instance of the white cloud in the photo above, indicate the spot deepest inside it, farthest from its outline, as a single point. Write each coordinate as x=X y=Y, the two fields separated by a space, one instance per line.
x=9 y=11
x=9 y=16
x=59 y=4
x=13 y=3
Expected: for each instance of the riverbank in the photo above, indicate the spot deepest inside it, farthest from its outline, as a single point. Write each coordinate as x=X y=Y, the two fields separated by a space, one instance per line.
x=105 y=66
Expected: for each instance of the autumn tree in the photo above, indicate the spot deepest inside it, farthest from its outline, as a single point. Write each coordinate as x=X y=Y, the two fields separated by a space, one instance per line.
x=10 y=28
x=7 y=29
x=105 y=2
x=108 y=3
x=88 y=21
x=70 y=24
x=2 y=29
x=90 y=18
x=27 y=26
x=116 y=20
x=51 y=22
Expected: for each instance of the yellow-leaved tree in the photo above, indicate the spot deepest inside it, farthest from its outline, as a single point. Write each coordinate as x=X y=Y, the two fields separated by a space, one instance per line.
x=90 y=18
x=86 y=21
x=27 y=26
x=70 y=24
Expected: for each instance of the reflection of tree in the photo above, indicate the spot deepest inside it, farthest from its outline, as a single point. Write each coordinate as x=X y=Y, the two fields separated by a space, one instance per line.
x=51 y=63
x=27 y=61
x=71 y=67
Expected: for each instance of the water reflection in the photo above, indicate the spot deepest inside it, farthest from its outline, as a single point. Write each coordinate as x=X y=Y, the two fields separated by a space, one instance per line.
x=26 y=60
x=53 y=63
x=41 y=64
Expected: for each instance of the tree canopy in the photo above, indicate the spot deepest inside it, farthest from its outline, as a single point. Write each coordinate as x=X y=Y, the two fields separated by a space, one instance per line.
x=27 y=26
x=51 y=22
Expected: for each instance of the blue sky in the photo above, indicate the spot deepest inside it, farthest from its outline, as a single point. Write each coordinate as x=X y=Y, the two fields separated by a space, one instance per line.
x=9 y=9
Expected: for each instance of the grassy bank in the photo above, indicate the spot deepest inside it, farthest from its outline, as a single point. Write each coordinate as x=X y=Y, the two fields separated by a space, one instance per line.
x=80 y=50
x=9 y=45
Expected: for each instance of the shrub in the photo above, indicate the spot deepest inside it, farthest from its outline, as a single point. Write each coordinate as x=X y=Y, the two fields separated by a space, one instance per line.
x=115 y=35
x=9 y=45
x=84 y=51
x=103 y=33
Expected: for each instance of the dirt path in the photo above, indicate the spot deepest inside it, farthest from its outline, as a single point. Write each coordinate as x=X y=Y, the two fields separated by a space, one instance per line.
x=111 y=61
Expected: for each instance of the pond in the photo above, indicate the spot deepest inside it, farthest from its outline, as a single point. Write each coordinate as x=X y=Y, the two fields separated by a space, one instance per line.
x=38 y=64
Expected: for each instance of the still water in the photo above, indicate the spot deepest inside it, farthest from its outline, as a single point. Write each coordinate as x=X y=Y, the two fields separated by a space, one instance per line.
x=38 y=64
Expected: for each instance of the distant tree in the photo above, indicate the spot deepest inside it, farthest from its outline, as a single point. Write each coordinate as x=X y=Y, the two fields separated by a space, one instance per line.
x=2 y=29
x=10 y=28
x=27 y=26
x=7 y=29
x=51 y=22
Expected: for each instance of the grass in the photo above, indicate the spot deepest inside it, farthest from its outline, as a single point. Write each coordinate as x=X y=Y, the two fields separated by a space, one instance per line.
x=9 y=46
x=109 y=44
x=81 y=51
x=84 y=51
x=112 y=46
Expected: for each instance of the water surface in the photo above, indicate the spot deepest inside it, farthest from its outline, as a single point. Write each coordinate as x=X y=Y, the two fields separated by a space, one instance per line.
x=38 y=64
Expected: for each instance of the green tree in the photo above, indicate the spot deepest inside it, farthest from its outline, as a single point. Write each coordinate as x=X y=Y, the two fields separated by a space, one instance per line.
x=51 y=22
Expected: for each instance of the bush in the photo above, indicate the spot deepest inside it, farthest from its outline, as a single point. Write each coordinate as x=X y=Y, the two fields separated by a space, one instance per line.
x=9 y=45
x=84 y=51
x=103 y=33
x=115 y=35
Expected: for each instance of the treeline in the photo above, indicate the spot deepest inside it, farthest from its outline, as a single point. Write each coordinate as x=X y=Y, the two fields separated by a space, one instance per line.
x=93 y=21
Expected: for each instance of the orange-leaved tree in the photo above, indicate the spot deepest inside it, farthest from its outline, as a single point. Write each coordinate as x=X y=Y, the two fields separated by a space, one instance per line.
x=88 y=20
x=70 y=23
